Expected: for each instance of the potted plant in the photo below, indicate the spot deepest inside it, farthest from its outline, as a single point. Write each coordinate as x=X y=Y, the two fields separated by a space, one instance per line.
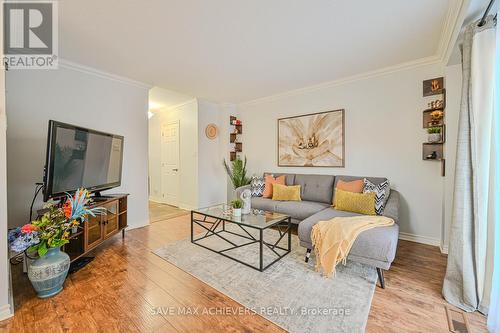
x=237 y=172
x=236 y=205
x=42 y=240
x=434 y=134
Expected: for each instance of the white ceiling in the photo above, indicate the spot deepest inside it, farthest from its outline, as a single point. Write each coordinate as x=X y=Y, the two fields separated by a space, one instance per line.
x=235 y=51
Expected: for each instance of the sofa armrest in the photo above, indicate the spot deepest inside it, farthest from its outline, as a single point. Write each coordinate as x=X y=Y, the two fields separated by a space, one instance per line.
x=392 y=206
x=240 y=190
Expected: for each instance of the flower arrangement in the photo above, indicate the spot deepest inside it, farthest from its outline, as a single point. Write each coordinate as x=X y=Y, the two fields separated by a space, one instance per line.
x=53 y=228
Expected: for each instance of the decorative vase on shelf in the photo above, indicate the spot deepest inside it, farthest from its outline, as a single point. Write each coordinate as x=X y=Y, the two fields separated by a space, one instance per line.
x=434 y=137
x=48 y=273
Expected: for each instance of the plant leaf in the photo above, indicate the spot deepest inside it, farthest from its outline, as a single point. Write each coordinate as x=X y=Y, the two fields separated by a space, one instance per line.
x=42 y=249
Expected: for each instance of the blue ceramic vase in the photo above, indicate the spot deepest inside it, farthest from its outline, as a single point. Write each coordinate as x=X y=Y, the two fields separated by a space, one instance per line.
x=47 y=274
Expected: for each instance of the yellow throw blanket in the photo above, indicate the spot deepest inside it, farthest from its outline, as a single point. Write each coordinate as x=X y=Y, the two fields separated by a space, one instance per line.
x=332 y=240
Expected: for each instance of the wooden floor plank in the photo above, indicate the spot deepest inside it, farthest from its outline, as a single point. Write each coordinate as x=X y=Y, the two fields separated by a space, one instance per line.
x=126 y=286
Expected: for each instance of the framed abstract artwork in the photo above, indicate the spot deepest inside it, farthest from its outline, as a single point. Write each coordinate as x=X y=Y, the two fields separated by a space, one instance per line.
x=312 y=140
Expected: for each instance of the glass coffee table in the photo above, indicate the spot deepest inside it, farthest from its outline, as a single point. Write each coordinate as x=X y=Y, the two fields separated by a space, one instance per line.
x=233 y=233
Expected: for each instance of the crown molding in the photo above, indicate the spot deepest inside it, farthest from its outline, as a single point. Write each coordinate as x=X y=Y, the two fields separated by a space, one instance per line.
x=182 y=104
x=432 y=60
x=455 y=18
x=63 y=63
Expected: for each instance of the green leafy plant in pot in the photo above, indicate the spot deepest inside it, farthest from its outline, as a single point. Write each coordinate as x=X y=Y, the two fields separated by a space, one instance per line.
x=434 y=134
x=236 y=205
x=237 y=172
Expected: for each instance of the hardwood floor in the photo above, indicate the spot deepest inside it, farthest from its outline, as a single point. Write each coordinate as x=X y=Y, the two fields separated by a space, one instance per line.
x=125 y=286
x=161 y=212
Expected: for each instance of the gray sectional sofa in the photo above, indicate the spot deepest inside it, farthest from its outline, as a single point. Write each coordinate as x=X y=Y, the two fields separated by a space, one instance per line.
x=375 y=247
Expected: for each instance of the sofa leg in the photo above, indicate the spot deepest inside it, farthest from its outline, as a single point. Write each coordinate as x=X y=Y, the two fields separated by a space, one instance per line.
x=380 y=273
x=308 y=254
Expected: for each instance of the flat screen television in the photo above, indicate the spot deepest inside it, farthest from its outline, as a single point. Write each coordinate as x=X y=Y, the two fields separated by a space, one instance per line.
x=81 y=157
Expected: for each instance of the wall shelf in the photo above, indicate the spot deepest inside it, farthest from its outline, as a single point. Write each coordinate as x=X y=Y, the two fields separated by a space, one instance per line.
x=435 y=149
x=235 y=138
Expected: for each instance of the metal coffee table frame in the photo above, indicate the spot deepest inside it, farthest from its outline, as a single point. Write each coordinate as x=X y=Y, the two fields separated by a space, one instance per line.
x=284 y=227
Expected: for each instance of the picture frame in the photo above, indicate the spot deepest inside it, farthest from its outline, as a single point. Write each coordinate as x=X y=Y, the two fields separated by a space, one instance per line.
x=312 y=140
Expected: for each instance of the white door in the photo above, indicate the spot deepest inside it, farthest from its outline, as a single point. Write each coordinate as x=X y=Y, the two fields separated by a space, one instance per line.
x=170 y=163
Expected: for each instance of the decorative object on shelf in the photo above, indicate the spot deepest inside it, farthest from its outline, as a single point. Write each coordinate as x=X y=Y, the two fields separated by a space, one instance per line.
x=44 y=238
x=432 y=156
x=236 y=205
x=237 y=172
x=436 y=116
x=246 y=197
x=433 y=86
x=434 y=134
x=436 y=104
x=211 y=131
x=313 y=140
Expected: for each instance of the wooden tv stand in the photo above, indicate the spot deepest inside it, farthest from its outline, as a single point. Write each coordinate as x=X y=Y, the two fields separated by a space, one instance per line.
x=97 y=229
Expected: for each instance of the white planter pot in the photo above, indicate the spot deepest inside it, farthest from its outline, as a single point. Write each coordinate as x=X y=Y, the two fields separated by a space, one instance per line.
x=236 y=212
x=434 y=137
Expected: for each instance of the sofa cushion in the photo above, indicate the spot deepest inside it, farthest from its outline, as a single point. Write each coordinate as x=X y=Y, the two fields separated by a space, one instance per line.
x=317 y=188
x=299 y=209
x=378 y=243
x=374 y=180
x=289 y=177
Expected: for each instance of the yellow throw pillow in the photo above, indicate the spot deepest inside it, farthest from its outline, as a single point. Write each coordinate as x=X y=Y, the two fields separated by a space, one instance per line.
x=286 y=193
x=361 y=203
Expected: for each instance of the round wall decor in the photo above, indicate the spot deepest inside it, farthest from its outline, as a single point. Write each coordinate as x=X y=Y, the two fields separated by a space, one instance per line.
x=211 y=131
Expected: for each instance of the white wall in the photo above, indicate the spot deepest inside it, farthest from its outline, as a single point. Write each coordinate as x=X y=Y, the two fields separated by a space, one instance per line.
x=5 y=310
x=211 y=174
x=81 y=98
x=383 y=134
x=202 y=177
x=187 y=115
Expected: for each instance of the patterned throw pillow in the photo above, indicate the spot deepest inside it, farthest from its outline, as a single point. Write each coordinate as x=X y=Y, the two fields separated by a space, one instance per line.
x=382 y=192
x=257 y=185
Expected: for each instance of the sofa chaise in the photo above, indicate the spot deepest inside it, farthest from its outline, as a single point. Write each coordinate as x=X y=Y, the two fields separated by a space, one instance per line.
x=375 y=247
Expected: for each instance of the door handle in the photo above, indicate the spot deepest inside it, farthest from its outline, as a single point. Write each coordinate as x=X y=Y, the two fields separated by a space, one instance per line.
x=175 y=169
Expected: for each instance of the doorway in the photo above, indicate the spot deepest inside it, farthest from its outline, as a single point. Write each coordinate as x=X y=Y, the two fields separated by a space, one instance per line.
x=170 y=163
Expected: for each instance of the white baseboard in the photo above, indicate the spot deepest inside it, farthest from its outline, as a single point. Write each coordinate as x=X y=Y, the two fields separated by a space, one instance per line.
x=444 y=249
x=155 y=199
x=420 y=239
x=186 y=207
x=5 y=312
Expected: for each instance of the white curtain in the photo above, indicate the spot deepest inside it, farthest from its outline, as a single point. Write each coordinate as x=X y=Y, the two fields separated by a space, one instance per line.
x=467 y=282
x=494 y=308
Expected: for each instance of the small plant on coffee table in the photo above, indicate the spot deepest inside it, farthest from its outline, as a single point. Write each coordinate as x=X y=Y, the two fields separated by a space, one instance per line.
x=237 y=204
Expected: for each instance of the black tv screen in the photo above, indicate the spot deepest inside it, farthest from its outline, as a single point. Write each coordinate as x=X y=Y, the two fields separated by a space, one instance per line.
x=79 y=157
